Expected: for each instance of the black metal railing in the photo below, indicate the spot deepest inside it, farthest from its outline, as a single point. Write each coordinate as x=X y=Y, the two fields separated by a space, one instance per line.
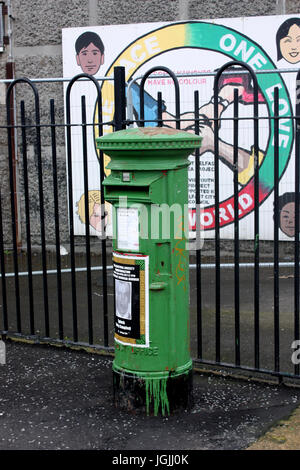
x=67 y=312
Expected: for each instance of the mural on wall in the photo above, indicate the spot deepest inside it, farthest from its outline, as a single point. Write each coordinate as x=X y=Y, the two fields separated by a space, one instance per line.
x=194 y=47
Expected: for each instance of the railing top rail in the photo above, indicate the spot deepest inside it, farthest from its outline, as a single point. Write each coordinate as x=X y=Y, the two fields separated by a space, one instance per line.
x=198 y=74
x=56 y=79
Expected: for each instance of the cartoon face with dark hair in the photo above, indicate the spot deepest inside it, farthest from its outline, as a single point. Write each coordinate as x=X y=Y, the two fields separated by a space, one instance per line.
x=288 y=41
x=286 y=204
x=89 y=52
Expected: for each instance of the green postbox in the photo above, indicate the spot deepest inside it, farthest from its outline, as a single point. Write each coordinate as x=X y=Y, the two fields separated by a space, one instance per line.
x=148 y=189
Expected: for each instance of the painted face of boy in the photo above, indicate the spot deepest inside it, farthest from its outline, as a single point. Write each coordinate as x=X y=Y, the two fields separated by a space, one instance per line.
x=287 y=219
x=90 y=59
x=290 y=45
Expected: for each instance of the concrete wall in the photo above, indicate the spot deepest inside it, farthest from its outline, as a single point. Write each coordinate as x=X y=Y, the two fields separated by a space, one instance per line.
x=5 y=197
x=37 y=25
x=37 y=52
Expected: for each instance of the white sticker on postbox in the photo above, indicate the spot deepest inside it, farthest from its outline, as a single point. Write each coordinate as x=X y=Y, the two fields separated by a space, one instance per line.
x=128 y=228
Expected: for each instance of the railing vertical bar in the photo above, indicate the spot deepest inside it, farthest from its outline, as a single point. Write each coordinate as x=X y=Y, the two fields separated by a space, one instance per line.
x=217 y=224
x=236 y=229
x=177 y=104
x=42 y=213
x=10 y=133
x=3 y=278
x=276 y=229
x=56 y=218
x=198 y=228
x=120 y=98
x=297 y=217
x=159 y=109
x=256 y=226
x=87 y=224
x=71 y=217
x=103 y=235
x=27 y=214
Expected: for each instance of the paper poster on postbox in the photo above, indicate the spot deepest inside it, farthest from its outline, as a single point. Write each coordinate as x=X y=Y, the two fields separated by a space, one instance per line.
x=131 y=287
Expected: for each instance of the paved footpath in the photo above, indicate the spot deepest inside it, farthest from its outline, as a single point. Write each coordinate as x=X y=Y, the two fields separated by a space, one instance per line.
x=285 y=435
x=52 y=398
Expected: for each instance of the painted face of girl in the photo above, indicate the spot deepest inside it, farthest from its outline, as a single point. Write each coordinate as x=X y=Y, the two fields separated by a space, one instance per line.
x=290 y=45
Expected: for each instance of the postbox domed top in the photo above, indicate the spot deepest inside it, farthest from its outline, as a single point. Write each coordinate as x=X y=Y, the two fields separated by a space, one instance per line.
x=149 y=138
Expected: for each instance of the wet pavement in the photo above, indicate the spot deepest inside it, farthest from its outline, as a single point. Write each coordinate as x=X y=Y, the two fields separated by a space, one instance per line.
x=286 y=334
x=56 y=398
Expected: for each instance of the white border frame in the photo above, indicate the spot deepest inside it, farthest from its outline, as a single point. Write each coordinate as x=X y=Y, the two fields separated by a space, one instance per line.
x=146 y=259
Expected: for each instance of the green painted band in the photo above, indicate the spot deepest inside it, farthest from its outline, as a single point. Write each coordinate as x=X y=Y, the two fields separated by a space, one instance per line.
x=148 y=160
x=181 y=370
x=147 y=145
x=145 y=165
